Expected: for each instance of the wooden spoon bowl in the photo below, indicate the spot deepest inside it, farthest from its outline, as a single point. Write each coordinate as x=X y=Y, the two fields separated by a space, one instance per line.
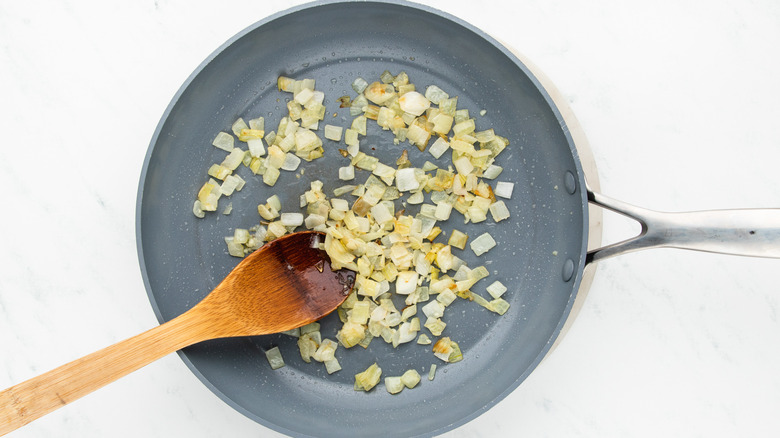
x=285 y=284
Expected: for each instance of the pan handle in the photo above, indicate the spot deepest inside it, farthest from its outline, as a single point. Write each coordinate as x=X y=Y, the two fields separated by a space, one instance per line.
x=745 y=232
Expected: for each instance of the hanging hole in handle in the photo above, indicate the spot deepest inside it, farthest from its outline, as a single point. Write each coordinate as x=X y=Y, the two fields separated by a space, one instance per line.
x=617 y=227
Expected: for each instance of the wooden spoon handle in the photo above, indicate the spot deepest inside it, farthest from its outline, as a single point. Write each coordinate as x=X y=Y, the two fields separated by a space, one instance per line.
x=34 y=398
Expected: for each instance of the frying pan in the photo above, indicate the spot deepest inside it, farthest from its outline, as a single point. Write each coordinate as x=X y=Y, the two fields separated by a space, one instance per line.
x=542 y=252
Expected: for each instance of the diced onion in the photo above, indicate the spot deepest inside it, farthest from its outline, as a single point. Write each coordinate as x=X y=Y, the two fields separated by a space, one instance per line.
x=359 y=84
x=333 y=132
x=492 y=171
x=394 y=385
x=238 y=126
x=274 y=357
x=332 y=365
x=499 y=211
x=435 y=94
x=496 y=289
x=224 y=141
x=410 y=378
x=482 y=244
x=504 y=189
x=256 y=148
x=406 y=282
x=197 y=210
x=439 y=147
x=291 y=219
x=366 y=380
x=406 y=180
x=291 y=162
x=414 y=103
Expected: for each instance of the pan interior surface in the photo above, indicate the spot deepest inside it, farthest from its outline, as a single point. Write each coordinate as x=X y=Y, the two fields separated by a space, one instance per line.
x=183 y=257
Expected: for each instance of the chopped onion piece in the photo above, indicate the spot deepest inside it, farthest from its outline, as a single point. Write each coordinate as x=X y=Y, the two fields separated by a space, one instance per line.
x=379 y=93
x=414 y=103
x=285 y=84
x=333 y=132
x=296 y=332
x=463 y=165
x=256 y=148
x=406 y=180
x=458 y=239
x=274 y=357
x=274 y=202
x=303 y=96
x=415 y=198
x=504 y=189
x=442 y=123
x=257 y=124
x=291 y=162
x=291 y=219
x=432 y=372
x=235 y=249
x=439 y=147
x=234 y=159
x=406 y=282
x=346 y=173
x=307 y=345
x=410 y=378
x=197 y=210
x=351 y=137
x=443 y=210
x=482 y=244
x=433 y=309
x=381 y=213
x=326 y=351
x=435 y=326
x=270 y=176
x=368 y=379
x=219 y=171
x=418 y=136
x=310 y=328
x=224 y=141
x=443 y=348
x=339 y=204
x=351 y=334
x=464 y=127
x=499 y=211
x=435 y=94
x=496 y=289
x=393 y=384
x=240 y=235
x=238 y=126
x=498 y=305
x=404 y=334
x=446 y=298
x=359 y=85
x=313 y=221
x=385 y=172
x=492 y=171
x=423 y=339
x=332 y=365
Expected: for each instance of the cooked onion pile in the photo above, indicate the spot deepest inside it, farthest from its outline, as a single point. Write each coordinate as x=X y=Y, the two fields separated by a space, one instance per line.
x=368 y=230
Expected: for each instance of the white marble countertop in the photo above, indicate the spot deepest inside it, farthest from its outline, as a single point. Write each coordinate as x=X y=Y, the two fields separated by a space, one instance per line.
x=679 y=99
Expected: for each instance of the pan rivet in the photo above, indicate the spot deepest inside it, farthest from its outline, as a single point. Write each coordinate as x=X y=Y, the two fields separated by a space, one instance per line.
x=568 y=270
x=570 y=182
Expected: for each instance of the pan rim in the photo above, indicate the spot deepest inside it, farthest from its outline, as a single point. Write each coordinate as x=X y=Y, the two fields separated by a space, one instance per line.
x=576 y=279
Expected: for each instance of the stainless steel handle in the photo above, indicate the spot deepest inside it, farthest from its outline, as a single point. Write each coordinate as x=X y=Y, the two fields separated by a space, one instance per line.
x=746 y=232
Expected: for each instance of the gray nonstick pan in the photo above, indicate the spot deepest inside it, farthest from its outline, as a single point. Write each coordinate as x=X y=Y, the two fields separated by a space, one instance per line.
x=541 y=254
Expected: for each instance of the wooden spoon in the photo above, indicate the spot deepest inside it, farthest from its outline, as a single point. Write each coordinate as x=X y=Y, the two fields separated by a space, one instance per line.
x=285 y=284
